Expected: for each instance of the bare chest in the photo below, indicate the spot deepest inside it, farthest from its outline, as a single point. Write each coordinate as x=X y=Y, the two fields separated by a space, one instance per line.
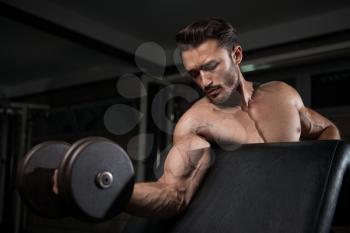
x=263 y=121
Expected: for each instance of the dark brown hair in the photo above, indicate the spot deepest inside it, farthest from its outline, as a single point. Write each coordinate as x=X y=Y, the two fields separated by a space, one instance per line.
x=212 y=28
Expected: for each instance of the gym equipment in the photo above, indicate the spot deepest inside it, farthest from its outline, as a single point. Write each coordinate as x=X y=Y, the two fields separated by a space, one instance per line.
x=34 y=178
x=266 y=188
x=95 y=179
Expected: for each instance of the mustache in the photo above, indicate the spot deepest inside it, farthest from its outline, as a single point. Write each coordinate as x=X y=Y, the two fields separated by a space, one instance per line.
x=211 y=87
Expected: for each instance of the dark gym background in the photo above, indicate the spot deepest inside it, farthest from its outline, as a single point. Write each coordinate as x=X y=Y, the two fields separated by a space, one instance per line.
x=60 y=62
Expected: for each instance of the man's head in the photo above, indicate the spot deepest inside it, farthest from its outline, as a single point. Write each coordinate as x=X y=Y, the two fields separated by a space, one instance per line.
x=213 y=28
x=211 y=54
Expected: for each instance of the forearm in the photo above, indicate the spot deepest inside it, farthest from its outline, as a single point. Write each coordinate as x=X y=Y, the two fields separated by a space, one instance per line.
x=155 y=200
x=330 y=132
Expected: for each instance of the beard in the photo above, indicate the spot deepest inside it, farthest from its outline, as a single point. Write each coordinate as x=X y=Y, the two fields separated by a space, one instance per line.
x=228 y=89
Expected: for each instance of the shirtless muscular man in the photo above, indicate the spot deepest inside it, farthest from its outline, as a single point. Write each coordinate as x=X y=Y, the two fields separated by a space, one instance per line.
x=233 y=111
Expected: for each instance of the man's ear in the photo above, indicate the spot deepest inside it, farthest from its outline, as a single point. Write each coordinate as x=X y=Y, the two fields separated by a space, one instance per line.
x=237 y=54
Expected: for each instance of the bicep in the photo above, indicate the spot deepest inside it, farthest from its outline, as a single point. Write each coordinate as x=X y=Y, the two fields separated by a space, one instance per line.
x=312 y=124
x=186 y=164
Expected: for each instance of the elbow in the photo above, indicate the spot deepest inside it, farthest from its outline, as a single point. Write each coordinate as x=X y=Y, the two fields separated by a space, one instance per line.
x=336 y=132
x=330 y=132
x=182 y=204
x=176 y=205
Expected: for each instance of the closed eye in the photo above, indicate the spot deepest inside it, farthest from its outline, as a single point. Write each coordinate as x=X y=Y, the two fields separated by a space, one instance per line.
x=210 y=65
x=205 y=67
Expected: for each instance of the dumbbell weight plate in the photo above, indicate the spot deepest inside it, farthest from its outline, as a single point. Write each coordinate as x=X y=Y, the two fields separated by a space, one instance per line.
x=99 y=179
x=35 y=179
x=61 y=179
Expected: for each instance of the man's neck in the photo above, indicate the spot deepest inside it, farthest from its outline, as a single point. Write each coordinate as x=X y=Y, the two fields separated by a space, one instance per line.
x=246 y=90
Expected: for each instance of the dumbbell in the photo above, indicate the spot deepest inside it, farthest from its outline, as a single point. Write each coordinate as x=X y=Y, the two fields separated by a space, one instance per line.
x=95 y=179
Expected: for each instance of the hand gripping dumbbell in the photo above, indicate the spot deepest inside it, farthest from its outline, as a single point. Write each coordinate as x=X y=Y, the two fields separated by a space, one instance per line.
x=95 y=179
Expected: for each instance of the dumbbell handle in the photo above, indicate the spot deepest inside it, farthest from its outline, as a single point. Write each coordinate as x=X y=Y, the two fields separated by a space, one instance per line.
x=54 y=182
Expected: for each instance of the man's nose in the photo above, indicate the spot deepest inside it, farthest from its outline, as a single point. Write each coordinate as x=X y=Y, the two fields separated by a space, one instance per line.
x=205 y=78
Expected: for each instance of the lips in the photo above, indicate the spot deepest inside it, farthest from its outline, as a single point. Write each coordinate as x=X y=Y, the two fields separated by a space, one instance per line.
x=213 y=91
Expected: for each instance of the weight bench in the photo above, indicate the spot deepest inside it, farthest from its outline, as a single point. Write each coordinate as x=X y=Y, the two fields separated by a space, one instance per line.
x=265 y=188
